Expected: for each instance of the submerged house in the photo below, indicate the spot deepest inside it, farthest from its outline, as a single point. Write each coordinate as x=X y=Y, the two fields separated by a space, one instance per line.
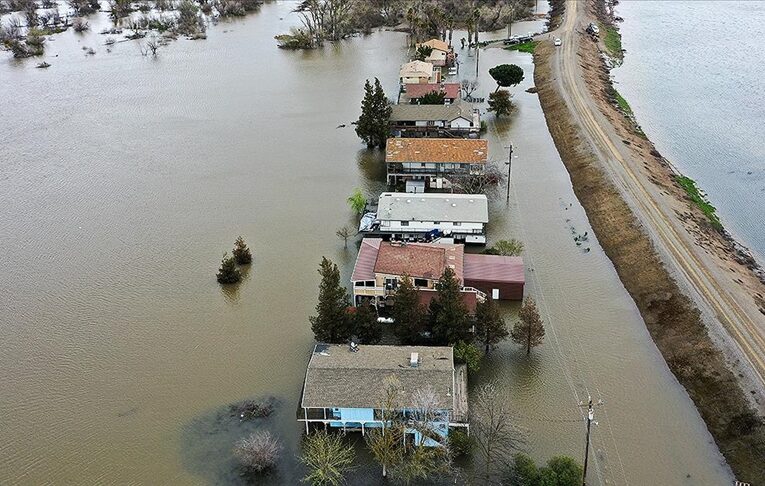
x=424 y=217
x=345 y=388
x=413 y=93
x=381 y=265
x=433 y=161
x=459 y=119
x=419 y=72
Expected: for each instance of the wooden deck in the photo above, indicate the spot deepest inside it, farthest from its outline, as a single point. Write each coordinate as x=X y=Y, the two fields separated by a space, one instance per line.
x=460 y=394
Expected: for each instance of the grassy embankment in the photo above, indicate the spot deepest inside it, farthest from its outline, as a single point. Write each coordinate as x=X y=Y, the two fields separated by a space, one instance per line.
x=700 y=200
x=613 y=42
x=527 y=47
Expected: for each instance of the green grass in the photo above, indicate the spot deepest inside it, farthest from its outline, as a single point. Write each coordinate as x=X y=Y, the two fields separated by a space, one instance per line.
x=613 y=41
x=700 y=200
x=626 y=108
x=527 y=47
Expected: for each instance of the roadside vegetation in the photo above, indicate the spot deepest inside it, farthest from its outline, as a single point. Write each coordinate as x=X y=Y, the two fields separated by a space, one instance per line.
x=527 y=47
x=700 y=200
x=612 y=39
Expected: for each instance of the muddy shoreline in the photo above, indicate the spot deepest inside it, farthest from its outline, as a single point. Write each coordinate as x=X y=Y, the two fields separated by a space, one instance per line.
x=672 y=319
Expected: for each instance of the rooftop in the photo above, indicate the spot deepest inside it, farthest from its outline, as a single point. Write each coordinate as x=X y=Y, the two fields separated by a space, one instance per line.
x=416 y=69
x=424 y=260
x=409 y=112
x=452 y=90
x=446 y=150
x=339 y=378
x=437 y=44
x=401 y=206
x=494 y=268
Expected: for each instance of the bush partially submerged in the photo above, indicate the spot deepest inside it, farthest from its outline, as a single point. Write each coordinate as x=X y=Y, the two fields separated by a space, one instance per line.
x=258 y=452
x=251 y=409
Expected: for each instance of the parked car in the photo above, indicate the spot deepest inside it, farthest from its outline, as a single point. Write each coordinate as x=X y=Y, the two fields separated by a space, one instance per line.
x=593 y=29
x=558 y=42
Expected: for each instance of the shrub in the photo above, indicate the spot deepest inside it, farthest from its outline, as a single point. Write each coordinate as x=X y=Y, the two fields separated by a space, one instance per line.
x=258 y=452
x=228 y=273
x=460 y=443
x=242 y=254
x=469 y=354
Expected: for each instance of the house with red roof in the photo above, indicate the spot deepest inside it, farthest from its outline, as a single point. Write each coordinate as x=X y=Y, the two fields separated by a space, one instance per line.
x=381 y=265
x=414 y=92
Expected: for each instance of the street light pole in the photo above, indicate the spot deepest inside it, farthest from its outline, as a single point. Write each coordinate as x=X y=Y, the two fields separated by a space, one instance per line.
x=509 y=164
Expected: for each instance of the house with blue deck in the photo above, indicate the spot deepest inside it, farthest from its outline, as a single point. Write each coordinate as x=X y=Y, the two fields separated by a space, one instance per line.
x=345 y=388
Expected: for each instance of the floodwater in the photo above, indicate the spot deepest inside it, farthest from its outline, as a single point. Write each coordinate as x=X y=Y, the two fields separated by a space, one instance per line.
x=123 y=180
x=704 y=59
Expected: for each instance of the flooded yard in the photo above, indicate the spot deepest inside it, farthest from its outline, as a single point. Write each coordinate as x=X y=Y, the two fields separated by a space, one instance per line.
x=124 y=179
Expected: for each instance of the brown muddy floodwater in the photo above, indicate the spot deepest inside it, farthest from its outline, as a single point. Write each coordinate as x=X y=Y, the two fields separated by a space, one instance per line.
x=124 y=178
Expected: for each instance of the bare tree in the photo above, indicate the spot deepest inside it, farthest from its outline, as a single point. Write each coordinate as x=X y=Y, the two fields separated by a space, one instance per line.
x=150 y=46
x=478 y=183
x=468 y=86
x=494 y=431
x=344 y=233
x=258 y=452
x=79 y=24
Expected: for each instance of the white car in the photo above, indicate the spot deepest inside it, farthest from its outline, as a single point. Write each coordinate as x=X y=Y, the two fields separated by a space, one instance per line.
x=557 y=41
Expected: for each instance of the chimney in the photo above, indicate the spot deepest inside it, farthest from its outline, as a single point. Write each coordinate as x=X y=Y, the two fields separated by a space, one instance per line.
x=414 y=360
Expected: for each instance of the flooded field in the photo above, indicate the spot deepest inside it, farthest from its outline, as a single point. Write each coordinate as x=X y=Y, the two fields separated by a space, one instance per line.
x=123 y=180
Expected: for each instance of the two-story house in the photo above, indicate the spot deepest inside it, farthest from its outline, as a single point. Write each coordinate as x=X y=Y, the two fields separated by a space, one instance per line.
x=419 y=72
x=381 y=265
x=345 y=388
x=413 y=93
x=437 y=162
x=441 y=54
x=458 y=119
x=424 y=217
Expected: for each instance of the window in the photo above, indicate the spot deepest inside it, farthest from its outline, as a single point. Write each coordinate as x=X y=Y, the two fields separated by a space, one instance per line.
x=457 y=223
x=405 y=223
x=370 y=283
x=359 y=284
x=420 y=282
x=436 y=223
x=422 y=164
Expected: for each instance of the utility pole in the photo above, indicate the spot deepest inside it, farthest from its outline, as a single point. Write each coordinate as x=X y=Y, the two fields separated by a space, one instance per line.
x=590 y=416
x=590 y=421
x=509 y=165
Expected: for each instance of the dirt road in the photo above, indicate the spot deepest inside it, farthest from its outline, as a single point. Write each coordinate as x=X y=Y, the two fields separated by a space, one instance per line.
x=701 y=306
x=721 y=298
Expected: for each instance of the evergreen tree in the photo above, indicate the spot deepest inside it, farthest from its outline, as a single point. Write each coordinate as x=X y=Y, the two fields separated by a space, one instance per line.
x=506 y=75
x=365 y=325
x=242 y=254
x=490 y=326
x=372 y=125
x=449 y=316
x=228 y=273
x=529 y=331
x=408 y=314
x=331 y=322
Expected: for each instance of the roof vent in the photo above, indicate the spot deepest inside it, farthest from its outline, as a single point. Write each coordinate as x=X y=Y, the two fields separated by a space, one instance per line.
x=414 y=360
x=454 y=205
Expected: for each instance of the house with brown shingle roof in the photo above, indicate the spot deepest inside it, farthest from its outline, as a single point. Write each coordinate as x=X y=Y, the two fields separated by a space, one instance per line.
x=458 y=119
x=419 y=72
x=434 y=160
